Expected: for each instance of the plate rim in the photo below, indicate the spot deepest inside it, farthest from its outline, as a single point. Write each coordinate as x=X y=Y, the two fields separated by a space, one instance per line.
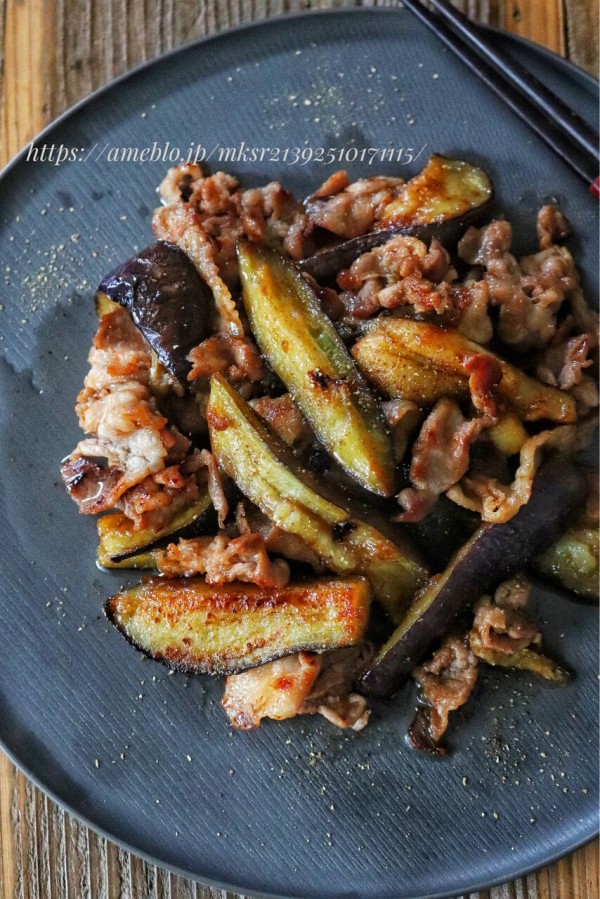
x=552 y=58
x=465 y=887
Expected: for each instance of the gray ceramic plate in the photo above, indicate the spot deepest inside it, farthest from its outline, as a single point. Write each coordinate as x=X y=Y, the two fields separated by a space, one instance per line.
x=295 y=809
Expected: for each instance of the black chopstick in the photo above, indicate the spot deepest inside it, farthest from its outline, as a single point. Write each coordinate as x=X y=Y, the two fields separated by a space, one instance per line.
x=523 y=104
x=561 y=114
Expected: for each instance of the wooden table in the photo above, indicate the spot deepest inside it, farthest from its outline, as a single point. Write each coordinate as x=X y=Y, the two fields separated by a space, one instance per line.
x=53 y=52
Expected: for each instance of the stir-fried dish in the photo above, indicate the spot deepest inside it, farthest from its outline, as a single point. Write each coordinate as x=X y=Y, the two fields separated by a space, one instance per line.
x=340 y=436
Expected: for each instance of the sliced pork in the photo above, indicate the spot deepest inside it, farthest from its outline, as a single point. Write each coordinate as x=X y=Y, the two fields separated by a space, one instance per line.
x=224 y=560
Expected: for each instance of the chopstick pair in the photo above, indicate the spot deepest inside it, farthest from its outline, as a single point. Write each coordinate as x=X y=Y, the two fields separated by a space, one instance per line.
x=551 y=119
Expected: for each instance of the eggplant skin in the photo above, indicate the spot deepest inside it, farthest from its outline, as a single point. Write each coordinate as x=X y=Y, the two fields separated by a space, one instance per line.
x=442 y=201
x=195 y=627
x=119 y=540
x=493 y=554
x=326 y=264
x=167 y=300
x=442 y=532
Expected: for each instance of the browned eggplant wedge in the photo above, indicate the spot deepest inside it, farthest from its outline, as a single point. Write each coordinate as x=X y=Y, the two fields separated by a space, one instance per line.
x=306 y=352
x=196 y=627
x=494 y=553
x=445 y=189
x=342 y=534
x=167 y=299
x=524 y=660
x=119 y=540
x=442 y=201
x=573 y=561
x=421 y=362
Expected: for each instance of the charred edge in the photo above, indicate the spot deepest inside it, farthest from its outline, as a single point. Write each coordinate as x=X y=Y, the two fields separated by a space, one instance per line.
x=320 y=379
x=342 y=529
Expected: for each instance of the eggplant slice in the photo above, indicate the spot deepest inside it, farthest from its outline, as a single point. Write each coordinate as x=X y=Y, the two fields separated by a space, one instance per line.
x=422 y=362
x=494 y=553
x=441 y=201
x=167 y=300
x=222 y=629
x=119 y=540
x=306 y=352
x=346 y=536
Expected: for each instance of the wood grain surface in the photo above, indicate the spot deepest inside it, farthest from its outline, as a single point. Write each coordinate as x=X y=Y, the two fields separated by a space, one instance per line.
x=52 y=53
